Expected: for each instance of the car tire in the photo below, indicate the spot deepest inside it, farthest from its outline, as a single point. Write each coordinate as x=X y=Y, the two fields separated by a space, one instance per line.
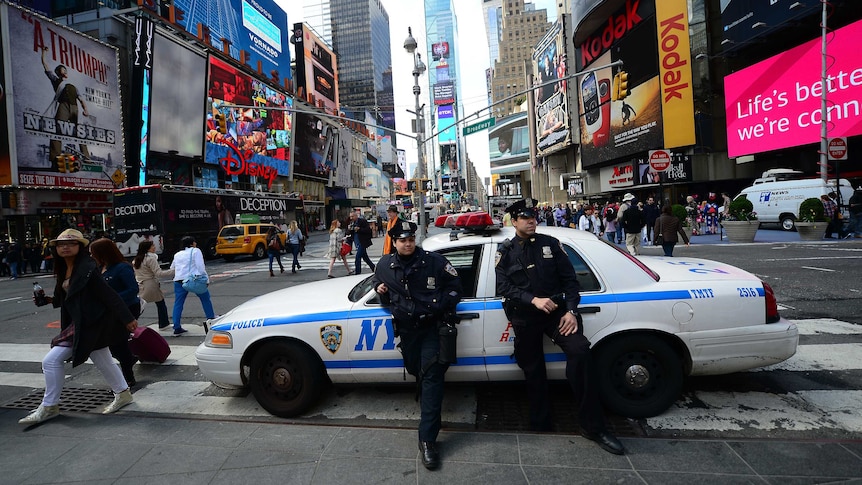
x=652 y=362
x=259 y=251
x=788 y=222
x=229 y=257
x=286 y=378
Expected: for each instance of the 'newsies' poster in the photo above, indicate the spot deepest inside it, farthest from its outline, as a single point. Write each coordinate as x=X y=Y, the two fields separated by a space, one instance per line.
x=67 y=126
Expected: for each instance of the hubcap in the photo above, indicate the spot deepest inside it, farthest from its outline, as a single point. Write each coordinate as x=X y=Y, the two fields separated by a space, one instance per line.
x=282 y=379
x=637 y=376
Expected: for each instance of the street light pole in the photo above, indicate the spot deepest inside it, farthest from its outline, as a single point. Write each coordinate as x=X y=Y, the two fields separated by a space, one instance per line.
x=410 y=46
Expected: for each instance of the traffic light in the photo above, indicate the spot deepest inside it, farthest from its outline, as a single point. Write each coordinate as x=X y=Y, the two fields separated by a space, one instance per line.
x=621 y=86
x=221 y=123
x=67 y=164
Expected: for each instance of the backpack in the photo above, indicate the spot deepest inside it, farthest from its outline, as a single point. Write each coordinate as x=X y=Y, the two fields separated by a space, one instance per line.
x=633 y=220
x=610 y=214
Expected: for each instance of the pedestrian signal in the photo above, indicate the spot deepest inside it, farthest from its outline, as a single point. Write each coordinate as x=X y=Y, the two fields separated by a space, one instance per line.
x=621 y=86
x=221 y=123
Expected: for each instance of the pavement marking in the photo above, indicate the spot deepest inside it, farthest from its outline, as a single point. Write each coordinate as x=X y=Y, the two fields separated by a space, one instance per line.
x=820 y=258
x=11 y=299
x=818 y=269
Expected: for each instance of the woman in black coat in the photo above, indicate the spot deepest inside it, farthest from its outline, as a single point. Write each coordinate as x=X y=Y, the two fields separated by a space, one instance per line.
x=91 y=316
x=668 y=226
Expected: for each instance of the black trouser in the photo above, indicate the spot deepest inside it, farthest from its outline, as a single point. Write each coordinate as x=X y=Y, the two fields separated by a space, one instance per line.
x=420 y=348
x=120 y=346
x=580 y=372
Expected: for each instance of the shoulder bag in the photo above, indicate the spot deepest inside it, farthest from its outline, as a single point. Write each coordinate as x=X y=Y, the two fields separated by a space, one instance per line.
x=195 y=283
x=659 y=236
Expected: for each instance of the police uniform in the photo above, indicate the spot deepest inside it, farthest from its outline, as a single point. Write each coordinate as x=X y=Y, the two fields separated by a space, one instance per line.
x=538 y=267
x=422 y=288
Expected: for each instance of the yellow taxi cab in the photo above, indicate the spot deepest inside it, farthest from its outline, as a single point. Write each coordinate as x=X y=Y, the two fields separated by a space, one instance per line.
x=239 y=239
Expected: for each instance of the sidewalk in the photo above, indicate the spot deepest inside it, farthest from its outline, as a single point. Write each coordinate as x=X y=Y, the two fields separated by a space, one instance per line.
x=90 y=448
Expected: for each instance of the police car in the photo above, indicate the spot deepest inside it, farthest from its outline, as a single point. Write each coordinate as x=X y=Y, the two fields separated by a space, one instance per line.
x=652 y=321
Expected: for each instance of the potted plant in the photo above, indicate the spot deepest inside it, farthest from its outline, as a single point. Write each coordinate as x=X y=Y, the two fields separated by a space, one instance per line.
x=741 y=223
x=812 y=223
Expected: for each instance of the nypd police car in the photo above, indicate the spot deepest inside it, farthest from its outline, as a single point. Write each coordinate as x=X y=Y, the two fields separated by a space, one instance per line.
x=652 y=321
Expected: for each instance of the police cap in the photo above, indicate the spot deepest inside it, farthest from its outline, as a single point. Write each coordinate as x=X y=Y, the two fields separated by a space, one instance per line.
x=402 y=229
x=525 y=208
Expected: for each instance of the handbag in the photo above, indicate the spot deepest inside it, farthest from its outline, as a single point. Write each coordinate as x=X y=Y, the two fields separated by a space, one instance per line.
x=659 y=237
x=196 y=283
x=345 y=249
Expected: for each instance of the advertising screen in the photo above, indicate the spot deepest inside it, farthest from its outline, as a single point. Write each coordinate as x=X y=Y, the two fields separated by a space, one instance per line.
x=744 y=20
x=446 y=122
x=612 y=129
x=552 y=105
x=67 y=109
x=316 y=67
x=258 y=27
x=314 y=140
x=509 y=141
x=776 y=103
x=449 y=160
x=257 y=142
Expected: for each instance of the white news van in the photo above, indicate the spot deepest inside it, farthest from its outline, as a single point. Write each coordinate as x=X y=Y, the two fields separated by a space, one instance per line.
x=776 y=196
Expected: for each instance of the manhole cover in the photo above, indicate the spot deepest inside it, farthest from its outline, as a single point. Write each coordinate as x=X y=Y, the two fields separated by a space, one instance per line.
x=75 y=399
x=505 y=407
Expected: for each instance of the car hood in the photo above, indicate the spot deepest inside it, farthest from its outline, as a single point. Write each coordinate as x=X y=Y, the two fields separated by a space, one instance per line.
x=316 y=298
x=693 y=269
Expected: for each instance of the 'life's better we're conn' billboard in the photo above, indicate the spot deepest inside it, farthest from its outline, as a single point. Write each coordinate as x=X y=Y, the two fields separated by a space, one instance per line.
x=776 y=103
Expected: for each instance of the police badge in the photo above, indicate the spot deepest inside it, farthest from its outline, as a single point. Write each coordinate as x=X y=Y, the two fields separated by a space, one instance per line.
x=330 y=335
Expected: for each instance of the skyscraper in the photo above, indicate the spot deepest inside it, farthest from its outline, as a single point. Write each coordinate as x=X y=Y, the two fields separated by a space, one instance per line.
x=316 y=13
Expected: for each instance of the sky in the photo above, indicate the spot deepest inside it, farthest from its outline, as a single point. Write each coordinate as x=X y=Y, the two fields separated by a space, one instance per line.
x=473 y=52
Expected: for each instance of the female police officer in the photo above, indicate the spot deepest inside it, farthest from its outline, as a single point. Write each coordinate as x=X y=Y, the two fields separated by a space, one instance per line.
x=420 y=288
x=541 y=293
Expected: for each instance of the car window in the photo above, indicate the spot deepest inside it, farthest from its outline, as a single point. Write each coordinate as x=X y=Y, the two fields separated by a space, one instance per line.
x=466 y=262
x=586 y=278
x=361 y=289
x=252 y=230
x=231 y=231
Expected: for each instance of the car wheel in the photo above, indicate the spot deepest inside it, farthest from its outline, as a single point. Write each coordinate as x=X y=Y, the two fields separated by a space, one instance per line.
x=229 y=257
x=788 y=222
x=640 y=376
x=259 y=251
x=286 y=379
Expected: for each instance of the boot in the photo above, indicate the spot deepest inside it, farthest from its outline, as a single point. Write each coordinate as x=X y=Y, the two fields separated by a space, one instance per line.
x=430 y=455
x=120 y=401
x=271 y=274
x=129 y=374
x=40 y=415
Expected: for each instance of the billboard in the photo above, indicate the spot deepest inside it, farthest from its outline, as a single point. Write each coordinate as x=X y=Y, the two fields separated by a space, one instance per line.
x=679 y=170
x=316 y=67
x=258 y=27
x=776 y=103
x=444 y=92
x=446 y=118
x=449 y=160
x=612 y=129
x=257 y=142
x=314 y=140
x=509 y=141
x=552 y=101
x=5 y=161
x=67 y=121
x=745 y=20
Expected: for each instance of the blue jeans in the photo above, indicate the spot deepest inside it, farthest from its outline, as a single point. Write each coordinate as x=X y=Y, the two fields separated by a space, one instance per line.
x=855 y=224
x=275 y=254
x=668 y=248
x=362 y=254
x=294 y=250
x=612 y=237
x=420 y=348
x=180 y=293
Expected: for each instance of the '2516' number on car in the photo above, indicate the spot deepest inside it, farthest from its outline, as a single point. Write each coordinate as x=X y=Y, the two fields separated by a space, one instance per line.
x=747 y=292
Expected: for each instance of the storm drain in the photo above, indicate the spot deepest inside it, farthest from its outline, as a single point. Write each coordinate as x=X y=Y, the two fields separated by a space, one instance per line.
x=73 y=399
x=506 y=408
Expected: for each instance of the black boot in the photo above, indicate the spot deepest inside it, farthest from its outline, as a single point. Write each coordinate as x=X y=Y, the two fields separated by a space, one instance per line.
x=430 y=456
x=128 y=374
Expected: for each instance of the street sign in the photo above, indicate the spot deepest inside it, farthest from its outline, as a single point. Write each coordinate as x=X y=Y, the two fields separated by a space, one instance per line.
x=659 y=160
x=482 y=125
x=837 y=148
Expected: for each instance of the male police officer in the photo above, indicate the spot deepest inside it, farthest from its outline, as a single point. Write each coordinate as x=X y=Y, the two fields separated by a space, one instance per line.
x=421 y=288
x=541 y=293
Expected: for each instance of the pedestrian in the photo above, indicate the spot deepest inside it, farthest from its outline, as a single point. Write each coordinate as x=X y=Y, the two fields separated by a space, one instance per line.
x=35 y=257
x=91 y=315
x=667 y=226
x=189 y=262
x=147 y=274
x=710 y=214
x=294 y=241
x=274 y=248
x=420 y=288
x=47 y=257
x=4 y=266
x=13 y=257
x=651 y=213
x=632 y=220
x=388 y=244
x=541 y=295
x=610 y=230
x=120 y=276
x=589 y=222
x=333 y=252
x=691 y=215
x=360 y=233
x=855 y=207
x=830 y=211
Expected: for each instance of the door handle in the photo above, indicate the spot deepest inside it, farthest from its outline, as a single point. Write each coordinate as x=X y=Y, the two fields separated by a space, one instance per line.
x=468 y=316
x=589 y=309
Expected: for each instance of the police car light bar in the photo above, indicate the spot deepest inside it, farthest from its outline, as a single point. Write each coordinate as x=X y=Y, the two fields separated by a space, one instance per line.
x=470 y=221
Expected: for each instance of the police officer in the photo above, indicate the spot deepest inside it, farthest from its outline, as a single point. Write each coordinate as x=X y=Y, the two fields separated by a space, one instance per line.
x=541 y=293
x=421 y=288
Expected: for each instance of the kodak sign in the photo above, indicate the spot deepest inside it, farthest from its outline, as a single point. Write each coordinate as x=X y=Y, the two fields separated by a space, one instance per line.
x=677 y=97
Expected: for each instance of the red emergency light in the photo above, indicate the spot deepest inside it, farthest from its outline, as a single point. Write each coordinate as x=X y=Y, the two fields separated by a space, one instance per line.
x=471 y=221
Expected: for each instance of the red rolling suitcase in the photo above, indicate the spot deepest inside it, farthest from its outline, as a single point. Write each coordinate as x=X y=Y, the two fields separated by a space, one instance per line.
x=149 y=346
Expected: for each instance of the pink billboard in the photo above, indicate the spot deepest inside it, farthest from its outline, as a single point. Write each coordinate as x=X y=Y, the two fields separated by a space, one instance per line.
x=776 y=103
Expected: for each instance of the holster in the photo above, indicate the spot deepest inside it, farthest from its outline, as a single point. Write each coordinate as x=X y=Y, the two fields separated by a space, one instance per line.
x=448 y=337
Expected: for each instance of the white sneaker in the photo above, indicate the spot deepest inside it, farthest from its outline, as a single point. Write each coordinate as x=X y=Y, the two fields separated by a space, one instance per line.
x=40 y=415
x=120 y=401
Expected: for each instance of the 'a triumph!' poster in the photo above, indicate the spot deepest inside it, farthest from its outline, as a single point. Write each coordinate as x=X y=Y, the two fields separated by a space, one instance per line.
x=67 y=126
